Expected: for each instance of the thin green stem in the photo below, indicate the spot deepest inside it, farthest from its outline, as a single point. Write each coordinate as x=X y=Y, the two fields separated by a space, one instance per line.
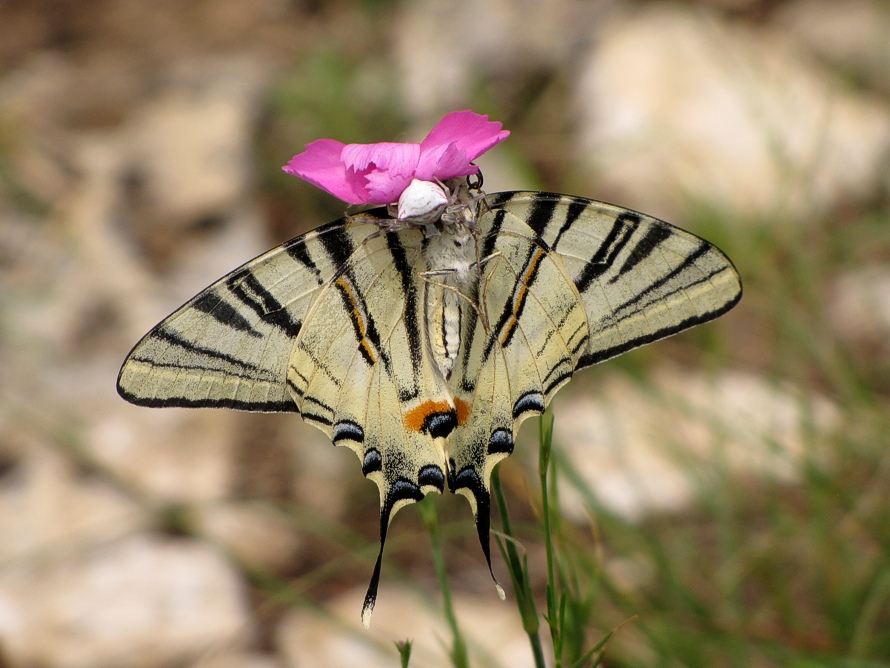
x=554 y=611
x=430 y=517
x=518 y=574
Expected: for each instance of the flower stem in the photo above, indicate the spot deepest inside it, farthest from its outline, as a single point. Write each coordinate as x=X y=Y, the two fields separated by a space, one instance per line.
x=554 y=611
x=430 y=517
x=518 y=574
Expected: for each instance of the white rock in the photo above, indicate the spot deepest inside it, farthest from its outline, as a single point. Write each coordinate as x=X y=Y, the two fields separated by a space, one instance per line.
x=144 y=601
x=652 y=448
x=191 y=146
x=858 y=306
x=679 y=109
x=49 y=509
x=444 y=49
x=494 y=36
x=492 y=630
x=254 y=532
x=851 y=34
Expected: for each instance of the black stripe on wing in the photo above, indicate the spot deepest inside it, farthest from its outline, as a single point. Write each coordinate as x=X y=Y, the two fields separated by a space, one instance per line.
x=512 y=312
x=655 y=235
x=248 y=289
x=285 y=406
x=604 y=257
x=224 y=313
x=598 y=356
x=410 y=312
x=340 y=249
x=468 y=383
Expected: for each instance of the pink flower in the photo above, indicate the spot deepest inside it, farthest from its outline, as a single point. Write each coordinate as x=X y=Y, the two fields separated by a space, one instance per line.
x=378 y=173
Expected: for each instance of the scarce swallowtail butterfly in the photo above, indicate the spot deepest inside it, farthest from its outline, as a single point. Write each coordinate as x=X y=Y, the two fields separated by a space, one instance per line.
x=421 y=336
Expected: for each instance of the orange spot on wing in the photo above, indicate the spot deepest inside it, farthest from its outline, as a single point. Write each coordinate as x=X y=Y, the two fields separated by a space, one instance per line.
x=358 y=318
x=521 y=295
x=463 y=410
x=415 y=418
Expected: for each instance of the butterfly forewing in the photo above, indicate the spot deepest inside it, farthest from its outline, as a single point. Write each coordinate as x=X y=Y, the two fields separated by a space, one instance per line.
x=640 y=279
x=228 y=347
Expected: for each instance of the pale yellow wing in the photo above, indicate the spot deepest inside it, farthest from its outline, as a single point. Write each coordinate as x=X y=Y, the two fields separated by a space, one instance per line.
x=329 y=324
x=228 y=347
x=569 y=282
x=361 y=371
x=424 y=372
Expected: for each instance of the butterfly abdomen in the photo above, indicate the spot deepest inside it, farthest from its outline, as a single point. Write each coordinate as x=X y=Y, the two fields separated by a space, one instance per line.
x=451 y=278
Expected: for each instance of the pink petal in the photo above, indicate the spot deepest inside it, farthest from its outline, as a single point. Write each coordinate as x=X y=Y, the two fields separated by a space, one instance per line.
x=379 y=173
x=398 y=159
x=444 y=162
x=383 y=187
x=470 y=132
x=321 y=165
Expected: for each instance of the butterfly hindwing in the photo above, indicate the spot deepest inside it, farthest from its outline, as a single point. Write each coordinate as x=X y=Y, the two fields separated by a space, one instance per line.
x=361 y=371
x=523 y=343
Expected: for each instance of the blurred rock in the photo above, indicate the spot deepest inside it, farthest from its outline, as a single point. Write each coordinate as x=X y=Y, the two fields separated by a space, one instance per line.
x=491 y=627
x=255 y=533
x=851 y=35
x=175 y=455
x=88 y=321
x=497 y=38
x=239 y=660
x=191 y=146
x=642 y=449
x=143 y=601
x=858 y=309
x=679 y=109
x=51 y=508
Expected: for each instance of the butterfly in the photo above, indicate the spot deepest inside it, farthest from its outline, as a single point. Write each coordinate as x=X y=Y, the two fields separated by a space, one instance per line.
x=423 y=349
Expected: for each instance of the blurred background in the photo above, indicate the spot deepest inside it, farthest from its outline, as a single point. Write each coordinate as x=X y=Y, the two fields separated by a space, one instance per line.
x=725 y=494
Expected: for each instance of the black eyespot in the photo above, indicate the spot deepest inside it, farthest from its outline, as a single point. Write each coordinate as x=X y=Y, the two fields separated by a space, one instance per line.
x=347 y=430
x=373 y=462
x=431 y=476
x=532 y=401
x=501 y=441
x=439 y=425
